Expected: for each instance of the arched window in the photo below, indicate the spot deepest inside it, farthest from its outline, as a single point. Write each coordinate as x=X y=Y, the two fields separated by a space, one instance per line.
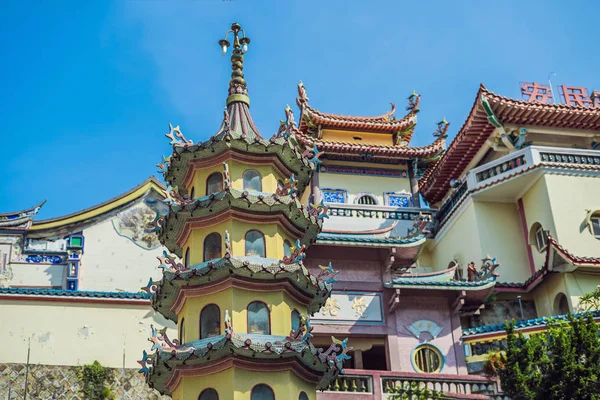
x=367 y=199
x=212 y=247
x=255 y=244
x=214 y=183
x=186 y=258
x=538 y=236
x=295 y=319
x=303 y=396
x=210 y=321
x=427 y=359
x=182 y=331
x=252 y=180
x=287 y=248
x=561 y=304
x=209 y=394
x=192 y=192
x=262 y=392
x=259 y=318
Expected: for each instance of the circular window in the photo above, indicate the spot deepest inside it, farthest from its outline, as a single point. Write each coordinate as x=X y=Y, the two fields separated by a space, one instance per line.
x=427 y=359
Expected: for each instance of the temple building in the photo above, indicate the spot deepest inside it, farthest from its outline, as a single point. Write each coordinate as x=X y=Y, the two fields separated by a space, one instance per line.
x=330 y=260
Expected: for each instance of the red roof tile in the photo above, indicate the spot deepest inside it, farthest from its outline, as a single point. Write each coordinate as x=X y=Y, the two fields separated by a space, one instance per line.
x=476 y=130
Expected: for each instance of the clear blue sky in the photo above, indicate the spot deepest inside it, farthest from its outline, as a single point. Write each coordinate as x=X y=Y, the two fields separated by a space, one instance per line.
x=88 y=88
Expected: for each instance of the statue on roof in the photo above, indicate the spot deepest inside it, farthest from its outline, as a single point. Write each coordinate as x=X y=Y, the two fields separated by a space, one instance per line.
x=413 y=102
x=302 y=96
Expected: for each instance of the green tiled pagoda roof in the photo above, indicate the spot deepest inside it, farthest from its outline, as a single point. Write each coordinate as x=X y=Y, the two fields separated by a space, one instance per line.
x=248 y=202
x=248 y=268
x=288 y=150
x=329 y=238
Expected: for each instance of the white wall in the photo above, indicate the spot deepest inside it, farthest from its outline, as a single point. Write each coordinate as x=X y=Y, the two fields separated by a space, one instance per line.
x=112 y=262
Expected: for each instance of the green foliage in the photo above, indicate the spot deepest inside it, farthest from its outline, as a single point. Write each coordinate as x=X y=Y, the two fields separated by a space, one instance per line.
x=590 y=301
x=412 y=391
x=93 y=377
x=562 y=363
x=495 y=361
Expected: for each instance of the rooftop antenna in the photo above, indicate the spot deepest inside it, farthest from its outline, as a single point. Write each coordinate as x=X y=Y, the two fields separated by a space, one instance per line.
x=550 y=84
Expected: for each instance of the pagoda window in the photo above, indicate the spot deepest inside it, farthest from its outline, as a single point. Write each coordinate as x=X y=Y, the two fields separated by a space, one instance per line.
x=210 y=321
x=334 y=195
x=212 y=247
x=398 y=199
x=252 y=180
x=186 y=258
x=214 y=183
x=287 y=248
x=259 y=318
x=192 y=193
x=182 y=330
x=303 y=396
x=209 y=394
x=280 y=184
x=561 y=304
x=367 y=199
x=262 y=392
x=255 y=244
x=295 y=319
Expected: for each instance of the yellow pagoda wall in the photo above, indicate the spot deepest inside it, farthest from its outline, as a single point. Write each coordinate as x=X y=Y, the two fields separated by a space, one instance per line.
x=236 y=169
x=275 y=235
x=236 y=301
x=237 y=384
x=570 y=197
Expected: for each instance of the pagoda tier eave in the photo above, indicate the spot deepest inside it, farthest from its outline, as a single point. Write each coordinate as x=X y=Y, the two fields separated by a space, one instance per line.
x=289 y=152
x=243 y=206
x=167 y=375
x=231 y=272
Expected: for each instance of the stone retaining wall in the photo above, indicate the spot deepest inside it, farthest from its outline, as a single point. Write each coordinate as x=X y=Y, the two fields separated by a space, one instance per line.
x=49 y=382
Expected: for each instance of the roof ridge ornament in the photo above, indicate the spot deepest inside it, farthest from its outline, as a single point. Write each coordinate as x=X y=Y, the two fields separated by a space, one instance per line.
x=237 y=85
x=413 y=102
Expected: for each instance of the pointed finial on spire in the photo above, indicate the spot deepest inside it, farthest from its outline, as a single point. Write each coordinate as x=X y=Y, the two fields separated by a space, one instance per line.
x=237 y=85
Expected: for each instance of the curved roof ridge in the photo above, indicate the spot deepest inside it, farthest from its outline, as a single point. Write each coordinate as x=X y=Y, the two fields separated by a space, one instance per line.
x=383 y=117
x=25 y=211
x=136 y=192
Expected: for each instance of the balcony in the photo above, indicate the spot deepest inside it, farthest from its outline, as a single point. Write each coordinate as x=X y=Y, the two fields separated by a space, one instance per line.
x=515 y=171
x=378 y=385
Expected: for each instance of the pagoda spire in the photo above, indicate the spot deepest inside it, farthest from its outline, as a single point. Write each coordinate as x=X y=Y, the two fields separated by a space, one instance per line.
x=238 y=92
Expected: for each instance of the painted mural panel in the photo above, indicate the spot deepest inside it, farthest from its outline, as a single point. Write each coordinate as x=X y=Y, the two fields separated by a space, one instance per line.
x=136 y=223
x=352 y=308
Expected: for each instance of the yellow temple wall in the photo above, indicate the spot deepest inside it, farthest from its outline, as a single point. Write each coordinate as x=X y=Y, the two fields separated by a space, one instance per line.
x=236 y=169
x=570 y=197
x=237 y=384
x=77 y=333
x=537 y=209
x=501 y=236
x=484 y=228
x=274 y=234
x=331 y=135
x=236 y=301
x=461 y=242
x=356 y=185
x=546 y=293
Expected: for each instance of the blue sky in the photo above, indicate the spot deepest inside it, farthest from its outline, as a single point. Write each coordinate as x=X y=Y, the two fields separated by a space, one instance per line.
x=88 y=88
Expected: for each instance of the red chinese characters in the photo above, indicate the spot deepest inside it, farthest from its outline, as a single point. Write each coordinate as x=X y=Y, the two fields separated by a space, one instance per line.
x=536 y=92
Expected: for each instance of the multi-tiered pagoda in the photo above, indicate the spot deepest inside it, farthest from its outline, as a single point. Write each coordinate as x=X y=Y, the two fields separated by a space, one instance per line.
x=240 y=295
